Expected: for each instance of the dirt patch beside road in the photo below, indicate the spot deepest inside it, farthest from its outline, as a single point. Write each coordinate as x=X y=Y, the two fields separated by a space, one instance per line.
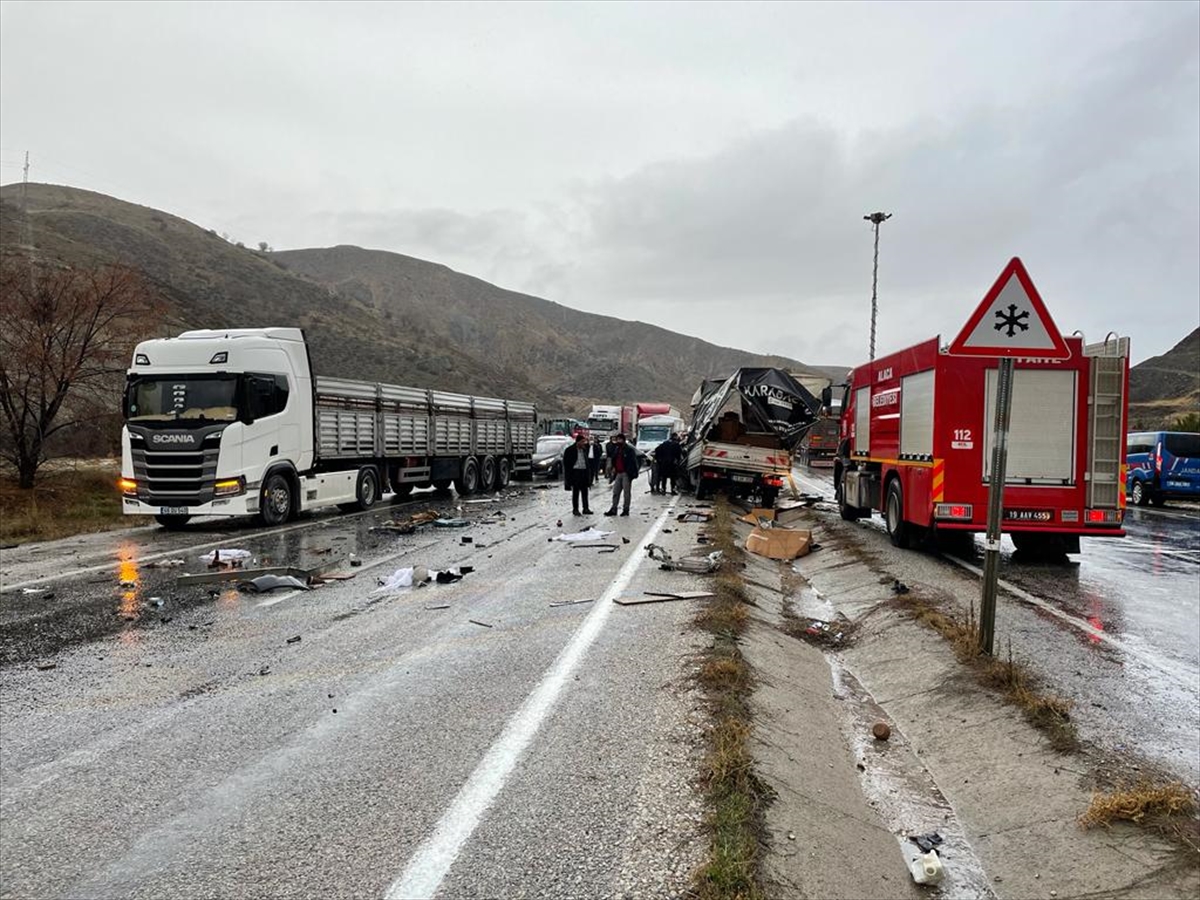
x=69 y=498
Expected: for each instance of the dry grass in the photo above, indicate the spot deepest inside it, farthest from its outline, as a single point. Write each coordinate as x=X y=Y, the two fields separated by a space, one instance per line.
x=736 y=796
x=1166 y=807
x=66 y=500
x=1048 y=713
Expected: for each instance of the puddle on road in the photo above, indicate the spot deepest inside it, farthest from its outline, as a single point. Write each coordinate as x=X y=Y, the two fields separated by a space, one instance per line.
x=903 y=793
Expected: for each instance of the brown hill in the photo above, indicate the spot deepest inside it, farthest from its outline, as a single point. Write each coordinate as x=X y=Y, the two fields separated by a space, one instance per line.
x=374 y=314
x=1163 y=388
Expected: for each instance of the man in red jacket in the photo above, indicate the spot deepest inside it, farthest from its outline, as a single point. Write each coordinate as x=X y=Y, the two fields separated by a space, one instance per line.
x=624 y=468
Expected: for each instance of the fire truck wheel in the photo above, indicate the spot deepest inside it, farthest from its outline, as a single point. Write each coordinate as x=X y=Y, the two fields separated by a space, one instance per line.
x=897 y=529
x=1138 y=495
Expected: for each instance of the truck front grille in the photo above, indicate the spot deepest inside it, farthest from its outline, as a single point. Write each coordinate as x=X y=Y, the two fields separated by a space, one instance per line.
x=175 y=477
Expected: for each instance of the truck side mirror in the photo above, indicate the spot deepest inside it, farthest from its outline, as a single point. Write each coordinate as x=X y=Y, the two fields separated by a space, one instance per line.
x=826 y=397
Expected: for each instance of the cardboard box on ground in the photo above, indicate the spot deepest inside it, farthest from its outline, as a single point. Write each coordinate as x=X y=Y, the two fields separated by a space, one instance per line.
x=774 y=541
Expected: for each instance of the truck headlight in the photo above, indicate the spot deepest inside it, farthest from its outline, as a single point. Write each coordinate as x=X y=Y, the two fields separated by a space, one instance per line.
x=230 y=487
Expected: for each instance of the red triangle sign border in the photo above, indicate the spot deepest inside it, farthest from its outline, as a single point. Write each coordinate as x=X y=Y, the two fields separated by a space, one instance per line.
x=1014 y=269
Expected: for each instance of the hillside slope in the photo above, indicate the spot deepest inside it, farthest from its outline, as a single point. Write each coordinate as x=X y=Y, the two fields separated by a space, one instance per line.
x=374 y=314
x=1165 y=387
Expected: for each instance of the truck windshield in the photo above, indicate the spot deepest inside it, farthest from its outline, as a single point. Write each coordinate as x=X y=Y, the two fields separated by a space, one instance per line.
x=172 y=398
x=653 y=434
x=604 y=426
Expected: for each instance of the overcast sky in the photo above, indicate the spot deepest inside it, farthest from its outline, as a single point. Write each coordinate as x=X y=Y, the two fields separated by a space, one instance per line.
x=705 y=167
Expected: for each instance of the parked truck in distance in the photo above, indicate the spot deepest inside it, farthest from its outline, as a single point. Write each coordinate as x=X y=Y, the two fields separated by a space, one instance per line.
x=656 y=422
x=234 y=422
x=819 y=445
x=744 y=430
x=916 y=445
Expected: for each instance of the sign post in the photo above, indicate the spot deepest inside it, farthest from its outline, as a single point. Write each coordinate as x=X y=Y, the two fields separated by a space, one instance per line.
x=1011 y=323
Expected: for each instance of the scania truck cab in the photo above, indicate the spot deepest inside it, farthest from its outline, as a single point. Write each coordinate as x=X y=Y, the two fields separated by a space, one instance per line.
x=235 y=423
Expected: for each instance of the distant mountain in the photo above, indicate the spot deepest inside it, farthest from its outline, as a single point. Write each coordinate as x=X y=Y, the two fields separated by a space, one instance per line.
x=1165 y=387
x=378 y=315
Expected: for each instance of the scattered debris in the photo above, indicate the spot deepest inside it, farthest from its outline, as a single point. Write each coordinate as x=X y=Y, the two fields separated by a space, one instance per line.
x=700 y=565
x=695 y=515
x=624 y=540
x=355 y=563
x=662 y=597
x=926 y=841
x=588 y=534
x=402 y=578
x=165 y=564
x=222 y=557
x=294 y=640
x=481 y=624
x=573 y=602
x=579 y=545
x=927 y=868
x=667 y=531
x=451 y=523
x=333 y=576
x=899 y=587
x=245 y=575
x=449 y=576
x=438 y=606
x=265 y=670
x=31 y=591
x=467 y=539
x=264 y=583
x=758 y=515
x=778 y=543
x=46 y=667
x=881 y=730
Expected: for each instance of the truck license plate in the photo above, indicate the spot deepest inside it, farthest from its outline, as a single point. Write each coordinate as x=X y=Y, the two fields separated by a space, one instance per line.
x=172 y=511
x=1029 y=515
x=745 y=478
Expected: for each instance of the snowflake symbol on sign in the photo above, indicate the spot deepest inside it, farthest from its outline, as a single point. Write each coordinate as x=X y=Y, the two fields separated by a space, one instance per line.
x=1012 y=319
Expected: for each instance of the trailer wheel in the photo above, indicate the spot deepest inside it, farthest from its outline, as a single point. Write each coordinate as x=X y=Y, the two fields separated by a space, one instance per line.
x=487 y=475
x=172 y=523
x=503 y=473
x=898 y=530
x=275 y=503
x=468 y=481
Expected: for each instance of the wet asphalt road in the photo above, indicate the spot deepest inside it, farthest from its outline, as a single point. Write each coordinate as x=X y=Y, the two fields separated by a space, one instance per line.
x=190 y=749
x=1116 y=628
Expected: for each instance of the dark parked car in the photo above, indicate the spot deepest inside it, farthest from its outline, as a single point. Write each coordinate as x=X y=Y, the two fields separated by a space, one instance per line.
x=547 y=456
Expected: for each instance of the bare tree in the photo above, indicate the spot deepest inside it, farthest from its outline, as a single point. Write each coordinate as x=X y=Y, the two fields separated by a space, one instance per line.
x=66 y=334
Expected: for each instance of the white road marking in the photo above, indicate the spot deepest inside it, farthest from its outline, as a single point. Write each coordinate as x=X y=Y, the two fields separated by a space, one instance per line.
x=1186 y=678
x=428 y=867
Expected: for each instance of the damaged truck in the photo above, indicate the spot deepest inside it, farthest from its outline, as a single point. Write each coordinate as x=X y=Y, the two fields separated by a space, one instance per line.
x=231 y=423
x=745 y=429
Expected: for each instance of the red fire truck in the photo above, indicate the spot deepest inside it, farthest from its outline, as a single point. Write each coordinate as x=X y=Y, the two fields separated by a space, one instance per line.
x=916 y=445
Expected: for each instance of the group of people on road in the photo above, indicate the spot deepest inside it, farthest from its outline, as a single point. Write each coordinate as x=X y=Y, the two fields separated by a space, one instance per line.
x=583 y=463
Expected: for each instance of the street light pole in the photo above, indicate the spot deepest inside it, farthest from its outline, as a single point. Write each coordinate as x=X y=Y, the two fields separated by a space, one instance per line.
x=876 y=219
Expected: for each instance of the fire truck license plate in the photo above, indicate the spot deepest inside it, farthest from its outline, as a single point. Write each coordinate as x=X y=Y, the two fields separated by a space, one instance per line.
x=172 y=510
x=1029 y=515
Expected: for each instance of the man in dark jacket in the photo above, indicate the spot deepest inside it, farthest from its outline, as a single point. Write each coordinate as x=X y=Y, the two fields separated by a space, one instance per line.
x=577 y=473
x=624 y=467
x=667 y=456
x=597 y=457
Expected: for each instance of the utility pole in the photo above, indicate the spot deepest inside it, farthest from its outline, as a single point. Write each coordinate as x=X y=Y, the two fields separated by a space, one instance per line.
x=876 y=219
x=27 y=231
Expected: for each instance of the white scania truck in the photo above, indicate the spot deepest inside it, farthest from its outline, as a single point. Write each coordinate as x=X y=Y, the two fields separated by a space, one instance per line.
x=233 y=423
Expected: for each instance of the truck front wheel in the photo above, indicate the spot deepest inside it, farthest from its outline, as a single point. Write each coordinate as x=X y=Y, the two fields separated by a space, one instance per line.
x=366 y=493
x=275 y=503
x=898 y=530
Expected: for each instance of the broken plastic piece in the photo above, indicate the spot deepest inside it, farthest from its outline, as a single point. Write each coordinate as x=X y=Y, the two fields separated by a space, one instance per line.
x=589 y=534
x=450 y=523
x=264 y=583
x=927 y=868
x=226 y=557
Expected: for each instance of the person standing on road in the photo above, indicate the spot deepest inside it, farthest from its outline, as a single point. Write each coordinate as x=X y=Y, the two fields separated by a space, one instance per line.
x=624 y=464
x=577 y=473
x=666 y=459
x=597 y=457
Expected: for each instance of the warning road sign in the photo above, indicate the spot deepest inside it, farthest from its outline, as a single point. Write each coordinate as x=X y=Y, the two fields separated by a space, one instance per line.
x=1011 y=321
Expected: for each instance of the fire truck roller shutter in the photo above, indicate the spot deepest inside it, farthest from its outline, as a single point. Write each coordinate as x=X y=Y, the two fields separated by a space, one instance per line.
x=916 y=416
x=1041 y=438
x=862 y=422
